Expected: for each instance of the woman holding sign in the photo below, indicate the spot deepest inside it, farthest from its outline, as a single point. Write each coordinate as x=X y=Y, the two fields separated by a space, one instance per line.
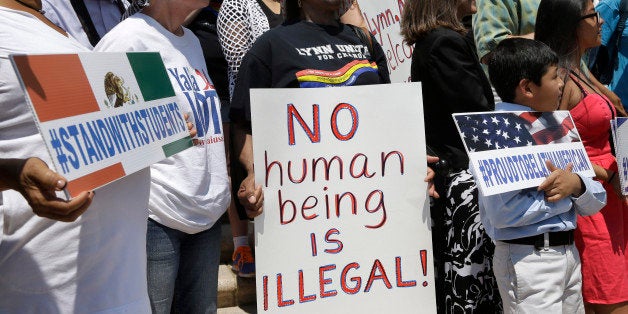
x=445 y=62
x=189 y=191
x=278 y=59
x=92 y=263
x=570 y=27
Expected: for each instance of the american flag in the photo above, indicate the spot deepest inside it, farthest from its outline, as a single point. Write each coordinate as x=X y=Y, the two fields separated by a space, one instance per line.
x=507 y=129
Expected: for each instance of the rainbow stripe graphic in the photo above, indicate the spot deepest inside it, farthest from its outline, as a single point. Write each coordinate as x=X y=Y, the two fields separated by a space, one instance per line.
x=345 y=76
x=102 y=115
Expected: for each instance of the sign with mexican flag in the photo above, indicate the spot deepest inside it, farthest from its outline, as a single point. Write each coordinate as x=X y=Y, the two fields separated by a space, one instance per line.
x=102 y=115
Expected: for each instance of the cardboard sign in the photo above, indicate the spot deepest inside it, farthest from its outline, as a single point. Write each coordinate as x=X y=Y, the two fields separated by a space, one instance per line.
x=102 y=115
x=345 y=227
x=383 y=20
x=508 y=149
x=619 y=128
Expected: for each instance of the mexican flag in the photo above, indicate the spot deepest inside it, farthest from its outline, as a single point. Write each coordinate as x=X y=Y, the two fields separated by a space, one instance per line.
x=103 y=116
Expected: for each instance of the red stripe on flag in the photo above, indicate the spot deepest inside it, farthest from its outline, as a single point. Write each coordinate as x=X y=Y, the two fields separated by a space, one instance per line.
x=555 y=133
x=95 y=179
x=57 y=85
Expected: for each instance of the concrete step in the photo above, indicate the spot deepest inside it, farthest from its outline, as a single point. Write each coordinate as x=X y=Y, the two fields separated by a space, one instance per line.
x=238 y=309
x=234 y=293
x=233 y=290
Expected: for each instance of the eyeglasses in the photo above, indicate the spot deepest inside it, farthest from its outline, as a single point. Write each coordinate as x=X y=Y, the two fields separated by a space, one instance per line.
x=595 y=14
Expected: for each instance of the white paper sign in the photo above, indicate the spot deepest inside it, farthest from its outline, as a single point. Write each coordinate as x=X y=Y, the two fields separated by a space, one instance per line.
x=345 y=227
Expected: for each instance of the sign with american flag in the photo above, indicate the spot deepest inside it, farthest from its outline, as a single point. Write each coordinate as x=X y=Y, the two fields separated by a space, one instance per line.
x=619 y=126
x=508 y=150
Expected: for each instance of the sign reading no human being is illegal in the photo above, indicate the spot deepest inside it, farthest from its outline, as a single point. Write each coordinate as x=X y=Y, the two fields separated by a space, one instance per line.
x=508 y=150
x=346 y=220
x=102 y=116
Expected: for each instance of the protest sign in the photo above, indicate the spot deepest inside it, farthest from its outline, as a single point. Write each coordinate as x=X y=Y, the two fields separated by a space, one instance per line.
x=383 y=19
x=345 y=227
x=620 y=139
x=102 y=115
x=508 y=149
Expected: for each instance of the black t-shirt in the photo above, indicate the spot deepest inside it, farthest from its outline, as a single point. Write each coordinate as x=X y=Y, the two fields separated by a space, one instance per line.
x=305 y=54
x=204 y=27
x=274 y=19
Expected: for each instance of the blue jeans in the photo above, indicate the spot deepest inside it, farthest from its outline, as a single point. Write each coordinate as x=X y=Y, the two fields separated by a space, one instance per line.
x=182 y=269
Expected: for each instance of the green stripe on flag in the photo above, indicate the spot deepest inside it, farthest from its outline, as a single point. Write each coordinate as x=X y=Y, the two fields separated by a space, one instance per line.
x=151 y=75
x=177 y=146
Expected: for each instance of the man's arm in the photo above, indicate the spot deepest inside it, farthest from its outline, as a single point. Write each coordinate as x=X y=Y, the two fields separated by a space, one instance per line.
x=497 y=20
x=249 y=195
x=38 y=184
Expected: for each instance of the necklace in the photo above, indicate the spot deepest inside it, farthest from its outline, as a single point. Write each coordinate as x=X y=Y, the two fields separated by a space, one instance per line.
x=30 y=6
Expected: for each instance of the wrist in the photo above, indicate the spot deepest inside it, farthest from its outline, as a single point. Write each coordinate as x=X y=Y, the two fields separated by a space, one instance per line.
x=610 y=179
x=11 y=174
x=581 y=187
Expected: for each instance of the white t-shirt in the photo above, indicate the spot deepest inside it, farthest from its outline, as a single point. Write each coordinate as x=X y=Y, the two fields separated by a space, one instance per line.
x=190 y=190
x=98 y=262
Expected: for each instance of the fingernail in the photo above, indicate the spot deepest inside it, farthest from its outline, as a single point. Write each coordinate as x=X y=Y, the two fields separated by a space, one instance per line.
x=252 y=199
x=60 y=184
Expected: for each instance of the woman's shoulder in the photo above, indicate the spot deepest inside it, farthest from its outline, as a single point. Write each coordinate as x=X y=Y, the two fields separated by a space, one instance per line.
x=132 y=32
x=243 y=7
x=571 y=96
x=442 y=37
x=447 y=35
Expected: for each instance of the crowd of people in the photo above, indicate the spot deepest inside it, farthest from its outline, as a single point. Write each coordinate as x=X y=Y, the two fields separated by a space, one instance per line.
x=150 y=242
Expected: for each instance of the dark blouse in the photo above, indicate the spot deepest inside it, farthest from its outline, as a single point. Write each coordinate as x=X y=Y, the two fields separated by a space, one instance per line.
x=452 y=79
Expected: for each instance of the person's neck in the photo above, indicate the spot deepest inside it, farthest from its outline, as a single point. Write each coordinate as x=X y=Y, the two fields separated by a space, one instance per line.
x=171 y=18
x=30 y=6
x=329 y=17
x=273 y=5
x=522 y=101
x=575 y=63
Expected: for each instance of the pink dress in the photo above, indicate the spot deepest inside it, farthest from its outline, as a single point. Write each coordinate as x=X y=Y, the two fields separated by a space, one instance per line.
x=601 y=238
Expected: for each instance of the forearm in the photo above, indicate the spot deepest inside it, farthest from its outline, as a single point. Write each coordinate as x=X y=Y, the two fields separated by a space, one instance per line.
x=10 y=170
x=243 y=146
x=601 y=173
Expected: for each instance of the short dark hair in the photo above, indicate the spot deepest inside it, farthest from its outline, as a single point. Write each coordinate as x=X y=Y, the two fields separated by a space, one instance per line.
x=515 y=59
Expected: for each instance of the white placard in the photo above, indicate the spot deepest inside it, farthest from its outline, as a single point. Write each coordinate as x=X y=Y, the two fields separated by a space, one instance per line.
x=345 y=227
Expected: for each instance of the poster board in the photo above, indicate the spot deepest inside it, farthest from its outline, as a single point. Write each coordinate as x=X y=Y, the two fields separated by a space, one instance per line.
x=619 y=127
x=102 y=116
x=508 y=149
x=345 y=226
x=383 y=19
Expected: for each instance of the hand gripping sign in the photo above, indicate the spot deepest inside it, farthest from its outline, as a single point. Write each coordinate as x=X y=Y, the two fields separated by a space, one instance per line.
x=102 y=115
x=345 y=227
